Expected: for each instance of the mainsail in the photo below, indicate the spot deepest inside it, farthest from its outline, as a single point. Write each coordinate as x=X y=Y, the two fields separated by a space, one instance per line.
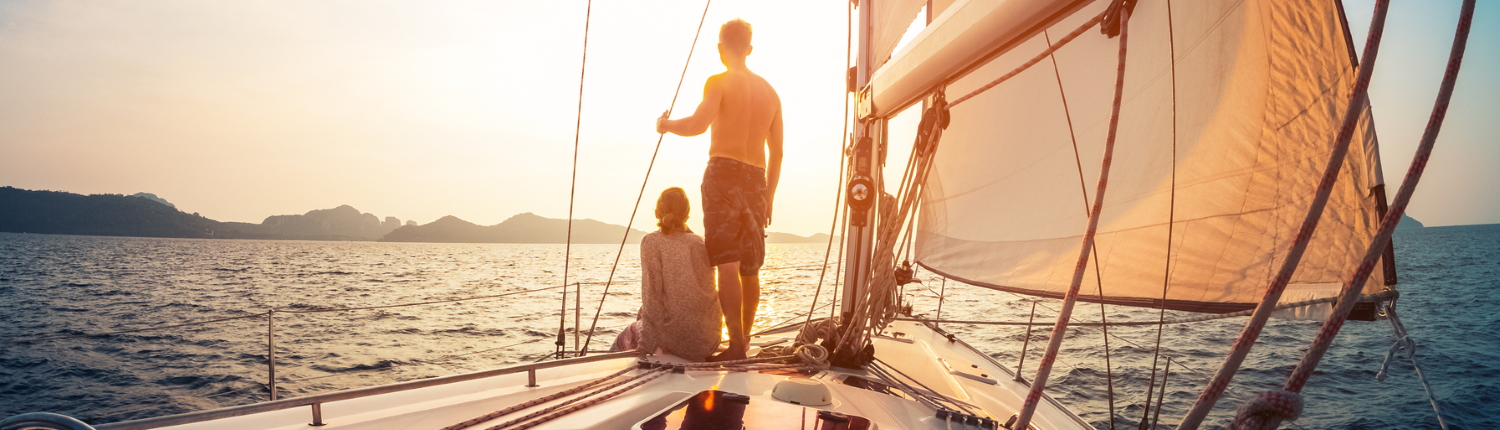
x=1230 y=108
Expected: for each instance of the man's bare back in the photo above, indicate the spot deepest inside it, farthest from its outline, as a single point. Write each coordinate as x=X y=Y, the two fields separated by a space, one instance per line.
x=741 y=179
x=745 y=113
x=749 y=114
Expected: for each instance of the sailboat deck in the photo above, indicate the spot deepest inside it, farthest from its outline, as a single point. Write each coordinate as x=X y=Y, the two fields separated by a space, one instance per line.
x=947 y=367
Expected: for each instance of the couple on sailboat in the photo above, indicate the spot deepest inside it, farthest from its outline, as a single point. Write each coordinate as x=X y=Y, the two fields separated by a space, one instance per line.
x=680 y=311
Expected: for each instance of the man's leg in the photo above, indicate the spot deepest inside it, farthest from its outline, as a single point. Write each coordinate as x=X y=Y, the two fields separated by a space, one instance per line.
x=750 y=294
x=730 y=294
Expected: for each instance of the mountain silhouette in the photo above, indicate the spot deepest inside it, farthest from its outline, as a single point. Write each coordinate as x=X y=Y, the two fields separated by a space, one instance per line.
x=343 y=222
x=147 y=215
x=56 y=212
x=523 y=228
x=1407 y=222
x=532 y=228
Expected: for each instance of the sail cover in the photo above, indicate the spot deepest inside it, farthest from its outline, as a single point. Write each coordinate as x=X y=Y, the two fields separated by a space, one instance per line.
x=1229 y=114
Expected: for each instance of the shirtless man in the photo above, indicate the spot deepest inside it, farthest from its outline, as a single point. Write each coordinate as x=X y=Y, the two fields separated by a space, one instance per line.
x=739 y=184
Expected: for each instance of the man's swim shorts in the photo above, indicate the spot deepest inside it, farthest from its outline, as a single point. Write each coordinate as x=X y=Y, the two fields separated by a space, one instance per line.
x=734 y=214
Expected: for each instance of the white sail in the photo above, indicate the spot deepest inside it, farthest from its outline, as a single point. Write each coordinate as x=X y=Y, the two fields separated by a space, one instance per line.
x=891 y=18
x=1236 y=134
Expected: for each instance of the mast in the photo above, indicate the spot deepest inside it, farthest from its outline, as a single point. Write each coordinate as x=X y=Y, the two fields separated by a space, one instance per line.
x=863 y=190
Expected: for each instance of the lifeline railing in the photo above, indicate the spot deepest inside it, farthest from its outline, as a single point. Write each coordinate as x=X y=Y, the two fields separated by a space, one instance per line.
x=316 y=401
x=270 y=316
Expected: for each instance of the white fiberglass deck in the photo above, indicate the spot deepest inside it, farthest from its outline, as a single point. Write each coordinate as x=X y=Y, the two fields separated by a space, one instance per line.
x=948 y=367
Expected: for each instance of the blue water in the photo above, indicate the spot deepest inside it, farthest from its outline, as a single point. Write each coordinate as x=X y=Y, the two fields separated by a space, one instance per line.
x=72 y=285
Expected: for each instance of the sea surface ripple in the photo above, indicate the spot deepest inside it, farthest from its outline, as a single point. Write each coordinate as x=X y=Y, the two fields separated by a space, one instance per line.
x=66 y=286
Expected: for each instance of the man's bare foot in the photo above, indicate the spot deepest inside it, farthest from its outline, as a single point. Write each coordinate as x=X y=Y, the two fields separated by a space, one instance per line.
x=730 y=354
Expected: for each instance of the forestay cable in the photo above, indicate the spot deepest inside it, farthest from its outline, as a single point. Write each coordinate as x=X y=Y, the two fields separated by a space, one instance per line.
x=634 y=209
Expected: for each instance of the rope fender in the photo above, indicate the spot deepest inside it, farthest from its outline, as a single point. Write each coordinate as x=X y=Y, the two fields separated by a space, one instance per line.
x=1267 y=410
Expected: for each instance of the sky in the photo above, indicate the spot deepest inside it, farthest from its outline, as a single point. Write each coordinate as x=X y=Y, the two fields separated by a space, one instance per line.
x=240 y=110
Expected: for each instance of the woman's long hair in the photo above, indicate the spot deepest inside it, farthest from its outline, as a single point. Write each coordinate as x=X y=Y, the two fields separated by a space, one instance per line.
x=672 y=210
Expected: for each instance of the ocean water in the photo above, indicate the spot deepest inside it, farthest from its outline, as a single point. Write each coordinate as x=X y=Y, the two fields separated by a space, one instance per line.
x=61 y=286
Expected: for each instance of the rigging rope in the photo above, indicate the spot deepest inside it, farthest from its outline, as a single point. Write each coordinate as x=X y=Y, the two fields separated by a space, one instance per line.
x=1166 y=276
x=838 y=270
x=636 y=208
x=874 y=307
x=1241 y=348
x=1248 y=418
x=1084 y=191
x=553 y=412
x=1032 y=62
x=588 y=15
x=933 y=398
x=1410 y=347
x=1054 y=344
x=811 y=357
x=536 y=401
x=838 y=195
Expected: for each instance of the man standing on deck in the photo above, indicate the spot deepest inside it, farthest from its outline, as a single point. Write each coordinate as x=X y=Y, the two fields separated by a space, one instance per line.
x=739 y=184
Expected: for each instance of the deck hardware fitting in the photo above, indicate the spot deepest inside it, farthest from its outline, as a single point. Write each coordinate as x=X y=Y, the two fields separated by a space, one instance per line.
x=317 y=410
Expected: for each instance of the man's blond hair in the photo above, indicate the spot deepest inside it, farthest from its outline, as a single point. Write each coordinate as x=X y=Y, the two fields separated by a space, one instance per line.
x=735 y=36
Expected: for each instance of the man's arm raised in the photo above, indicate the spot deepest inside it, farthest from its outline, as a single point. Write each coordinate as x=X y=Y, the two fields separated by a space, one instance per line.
x=773 y=165
x=698 y=122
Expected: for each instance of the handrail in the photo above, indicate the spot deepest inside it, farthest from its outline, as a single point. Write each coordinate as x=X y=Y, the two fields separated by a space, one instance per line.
x=318 y=399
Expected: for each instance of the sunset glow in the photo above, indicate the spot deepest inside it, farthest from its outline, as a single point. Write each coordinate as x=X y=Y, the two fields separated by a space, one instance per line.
x=242 y=110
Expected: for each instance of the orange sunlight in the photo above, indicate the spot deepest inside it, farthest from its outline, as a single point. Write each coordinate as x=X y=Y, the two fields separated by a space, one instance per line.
x=411 y=110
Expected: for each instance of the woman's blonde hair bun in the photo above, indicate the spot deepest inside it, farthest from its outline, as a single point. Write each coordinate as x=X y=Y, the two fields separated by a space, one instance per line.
x=672 y=210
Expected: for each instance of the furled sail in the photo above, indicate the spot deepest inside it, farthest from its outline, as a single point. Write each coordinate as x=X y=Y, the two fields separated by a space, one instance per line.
x=891 y=20
x=1229 y=112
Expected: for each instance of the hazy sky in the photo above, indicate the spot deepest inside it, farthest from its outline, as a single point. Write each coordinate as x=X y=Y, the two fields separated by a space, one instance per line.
x=239 y=110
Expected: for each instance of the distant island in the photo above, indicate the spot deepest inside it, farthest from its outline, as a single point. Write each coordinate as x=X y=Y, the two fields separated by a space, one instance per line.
x=523 y=228
x=147 y=215
x=1408 y=223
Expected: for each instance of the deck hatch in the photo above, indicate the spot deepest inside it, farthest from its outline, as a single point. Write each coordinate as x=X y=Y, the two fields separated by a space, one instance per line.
x=714 y=409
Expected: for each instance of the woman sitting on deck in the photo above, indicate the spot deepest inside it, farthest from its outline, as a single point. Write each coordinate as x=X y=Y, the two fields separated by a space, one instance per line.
x=679 y=306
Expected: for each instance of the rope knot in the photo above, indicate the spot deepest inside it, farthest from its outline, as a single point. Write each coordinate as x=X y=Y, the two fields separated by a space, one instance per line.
x=813 y=355
x=1267 y=410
